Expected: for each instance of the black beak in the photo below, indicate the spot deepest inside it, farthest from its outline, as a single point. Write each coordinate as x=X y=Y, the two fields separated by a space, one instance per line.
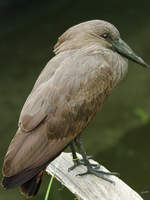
x=122 y=48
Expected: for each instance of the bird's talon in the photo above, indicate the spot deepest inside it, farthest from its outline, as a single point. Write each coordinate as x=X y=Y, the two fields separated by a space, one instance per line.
x=82 y=174
x=107 y=173
x=101 y=174
x=95 y=166
x=90 y=157
x=78 y=162
x=71 y=168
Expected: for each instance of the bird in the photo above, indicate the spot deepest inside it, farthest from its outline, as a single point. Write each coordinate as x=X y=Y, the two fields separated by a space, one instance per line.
x=90 y=60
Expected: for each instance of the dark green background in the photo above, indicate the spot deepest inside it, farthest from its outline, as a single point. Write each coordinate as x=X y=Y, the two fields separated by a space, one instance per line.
x=119 y=136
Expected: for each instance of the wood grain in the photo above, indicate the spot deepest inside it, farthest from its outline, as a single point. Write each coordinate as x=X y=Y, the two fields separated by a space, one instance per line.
x=89 y=187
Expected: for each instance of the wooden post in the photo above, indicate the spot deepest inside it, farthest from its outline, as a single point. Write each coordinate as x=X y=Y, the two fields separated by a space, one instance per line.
x=89 y=187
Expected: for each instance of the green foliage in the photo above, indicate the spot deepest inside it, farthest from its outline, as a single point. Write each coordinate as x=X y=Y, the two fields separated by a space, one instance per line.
x=49 y=188
x=144 y=116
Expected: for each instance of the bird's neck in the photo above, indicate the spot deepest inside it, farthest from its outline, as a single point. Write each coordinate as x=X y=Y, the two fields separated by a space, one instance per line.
x=115 y=62
x=120 y=67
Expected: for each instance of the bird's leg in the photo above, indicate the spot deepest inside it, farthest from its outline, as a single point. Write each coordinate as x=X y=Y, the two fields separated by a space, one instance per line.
x=75 y=158
x=78 y=161
x=85 y=160
x=90 y=168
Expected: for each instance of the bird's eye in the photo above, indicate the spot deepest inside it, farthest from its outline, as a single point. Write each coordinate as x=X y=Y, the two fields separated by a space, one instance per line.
x=105 y=35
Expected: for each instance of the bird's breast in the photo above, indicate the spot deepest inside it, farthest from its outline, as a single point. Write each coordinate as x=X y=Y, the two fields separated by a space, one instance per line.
x=120 y=68
x=81 y=104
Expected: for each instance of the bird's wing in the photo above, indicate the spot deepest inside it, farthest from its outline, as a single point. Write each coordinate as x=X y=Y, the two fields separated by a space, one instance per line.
x=55 y=113
x=50 y=69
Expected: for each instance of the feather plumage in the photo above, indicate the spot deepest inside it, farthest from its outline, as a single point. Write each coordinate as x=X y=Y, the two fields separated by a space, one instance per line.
x=69 y=91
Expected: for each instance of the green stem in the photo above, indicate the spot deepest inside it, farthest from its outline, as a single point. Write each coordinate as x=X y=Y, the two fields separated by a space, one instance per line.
x=49 y=187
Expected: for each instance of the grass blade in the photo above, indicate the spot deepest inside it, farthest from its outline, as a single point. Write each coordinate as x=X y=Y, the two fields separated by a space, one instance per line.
x=49 y=188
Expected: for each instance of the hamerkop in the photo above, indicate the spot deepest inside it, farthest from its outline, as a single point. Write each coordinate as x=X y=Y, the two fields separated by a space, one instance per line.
x=90 y=60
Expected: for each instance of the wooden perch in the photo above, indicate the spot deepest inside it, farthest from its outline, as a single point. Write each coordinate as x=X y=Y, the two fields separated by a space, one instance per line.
x=89 y=187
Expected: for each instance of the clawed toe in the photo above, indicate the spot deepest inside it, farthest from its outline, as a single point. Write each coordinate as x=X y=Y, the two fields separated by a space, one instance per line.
x=76 y=164
x=79 y=162
x=100 y=174
x=92 y=168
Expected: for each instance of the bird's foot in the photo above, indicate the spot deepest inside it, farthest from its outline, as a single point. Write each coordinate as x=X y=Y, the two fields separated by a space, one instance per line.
x=78 y=162
x=99 y=173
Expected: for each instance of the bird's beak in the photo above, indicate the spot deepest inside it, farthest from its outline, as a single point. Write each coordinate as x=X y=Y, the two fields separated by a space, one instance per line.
x=122 y=48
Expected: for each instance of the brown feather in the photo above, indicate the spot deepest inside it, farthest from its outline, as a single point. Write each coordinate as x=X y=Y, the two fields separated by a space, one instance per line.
x=28 y=122
x=70 y=90
x=31 y=187
x=69 y=107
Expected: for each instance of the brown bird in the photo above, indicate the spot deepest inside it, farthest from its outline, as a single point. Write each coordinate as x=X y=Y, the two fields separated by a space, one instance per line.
x=90 y=60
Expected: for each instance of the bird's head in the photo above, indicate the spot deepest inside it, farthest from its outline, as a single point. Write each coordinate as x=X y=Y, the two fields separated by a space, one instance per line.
x=98 y=32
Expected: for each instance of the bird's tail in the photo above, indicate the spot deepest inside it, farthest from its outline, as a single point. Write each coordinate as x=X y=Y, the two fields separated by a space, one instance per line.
x=31 y=187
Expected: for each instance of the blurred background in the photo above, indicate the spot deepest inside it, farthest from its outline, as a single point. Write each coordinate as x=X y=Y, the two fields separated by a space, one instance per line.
x=119 y=136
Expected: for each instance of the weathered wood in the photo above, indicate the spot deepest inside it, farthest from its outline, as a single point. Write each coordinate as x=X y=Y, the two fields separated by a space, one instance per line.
x=89 y=187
